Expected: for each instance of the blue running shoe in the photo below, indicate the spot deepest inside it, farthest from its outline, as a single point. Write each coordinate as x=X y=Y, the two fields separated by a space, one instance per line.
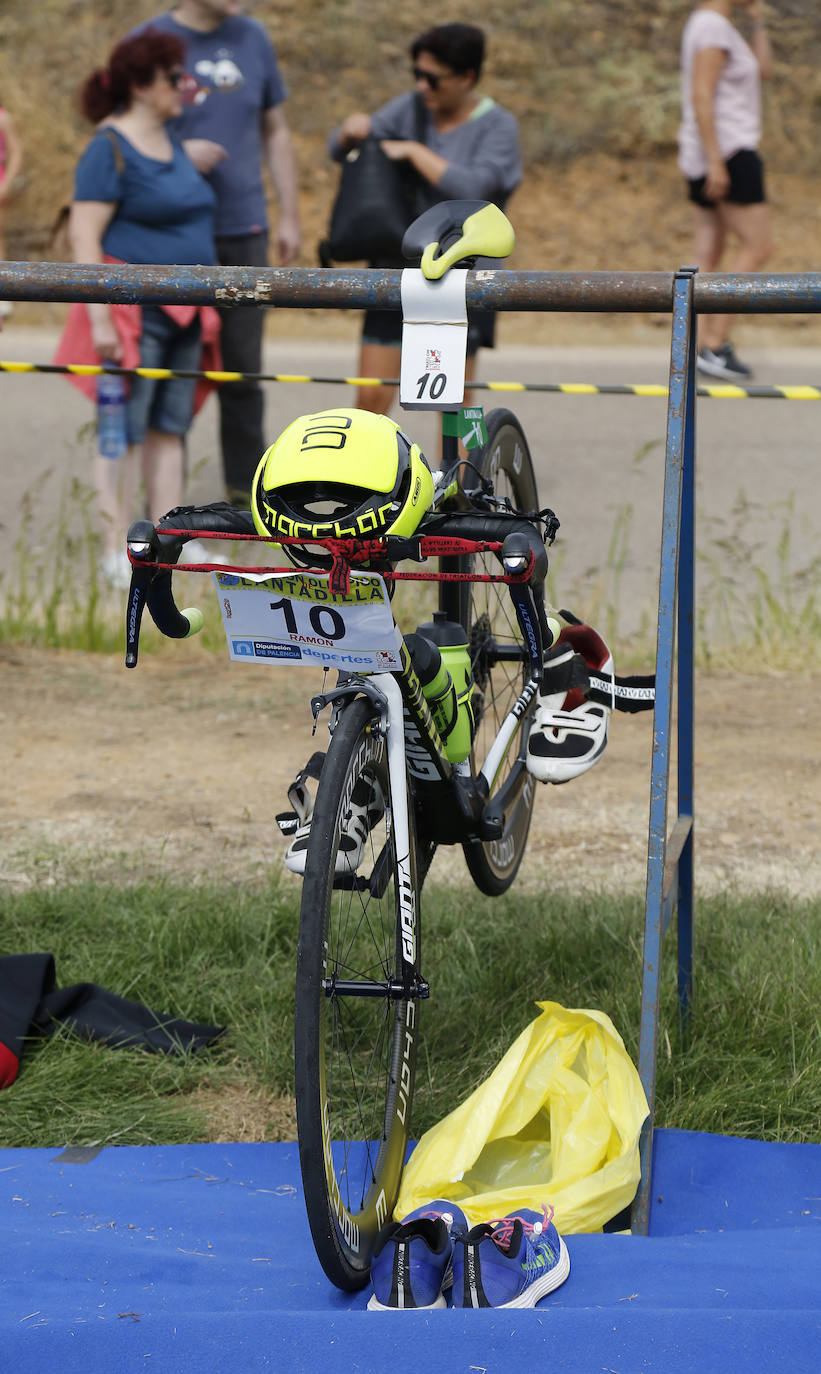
x=509 y=1263
x=413 y=1259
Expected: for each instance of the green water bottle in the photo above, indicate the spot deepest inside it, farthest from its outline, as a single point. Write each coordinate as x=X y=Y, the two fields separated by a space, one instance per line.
x=441 y=657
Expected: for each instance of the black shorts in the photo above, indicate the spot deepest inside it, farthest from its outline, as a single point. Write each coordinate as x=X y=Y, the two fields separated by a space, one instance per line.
x=746 y=181
x=385 y=327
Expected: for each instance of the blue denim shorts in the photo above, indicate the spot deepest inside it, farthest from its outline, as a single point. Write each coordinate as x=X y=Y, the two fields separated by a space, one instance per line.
x=164 y=405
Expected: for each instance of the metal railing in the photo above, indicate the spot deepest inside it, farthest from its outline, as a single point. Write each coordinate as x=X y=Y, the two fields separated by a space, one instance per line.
x=378 y=288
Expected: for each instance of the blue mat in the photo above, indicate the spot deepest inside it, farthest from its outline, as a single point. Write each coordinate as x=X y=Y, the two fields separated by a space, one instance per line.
x=199 y=1258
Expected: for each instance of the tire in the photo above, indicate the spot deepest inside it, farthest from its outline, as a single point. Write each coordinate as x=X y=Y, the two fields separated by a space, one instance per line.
x=355 y=1056
x=485 y=610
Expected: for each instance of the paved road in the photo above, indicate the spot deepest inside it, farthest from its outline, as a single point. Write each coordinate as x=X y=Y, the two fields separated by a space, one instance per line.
x=599 y=461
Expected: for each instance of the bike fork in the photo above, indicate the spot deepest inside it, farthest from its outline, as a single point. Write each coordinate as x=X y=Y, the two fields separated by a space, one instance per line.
x=389 y=690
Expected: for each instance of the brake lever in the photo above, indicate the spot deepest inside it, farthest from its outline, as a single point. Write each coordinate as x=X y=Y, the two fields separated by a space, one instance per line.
x=137 y=594
x=141 y=545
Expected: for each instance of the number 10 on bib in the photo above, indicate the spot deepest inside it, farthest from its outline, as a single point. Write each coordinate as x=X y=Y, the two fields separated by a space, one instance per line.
x=434 y=341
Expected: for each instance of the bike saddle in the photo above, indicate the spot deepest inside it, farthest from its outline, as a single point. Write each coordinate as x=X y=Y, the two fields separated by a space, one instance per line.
x=457 y=231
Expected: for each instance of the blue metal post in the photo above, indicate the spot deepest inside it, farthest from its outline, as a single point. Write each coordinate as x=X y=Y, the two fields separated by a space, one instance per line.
x=680 y=405
x=686 y=665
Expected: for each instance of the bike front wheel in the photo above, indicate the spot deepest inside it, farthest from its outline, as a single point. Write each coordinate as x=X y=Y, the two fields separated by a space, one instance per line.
x=356 y=1027
x=499 y=657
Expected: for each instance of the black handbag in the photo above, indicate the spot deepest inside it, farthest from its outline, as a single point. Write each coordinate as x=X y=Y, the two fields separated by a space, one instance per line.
x=376 y=201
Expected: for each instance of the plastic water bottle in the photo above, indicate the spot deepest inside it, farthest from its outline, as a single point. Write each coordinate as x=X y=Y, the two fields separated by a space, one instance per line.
x=112 y=438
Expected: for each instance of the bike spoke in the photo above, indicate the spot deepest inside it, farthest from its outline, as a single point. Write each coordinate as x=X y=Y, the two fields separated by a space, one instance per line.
x=363 y=1090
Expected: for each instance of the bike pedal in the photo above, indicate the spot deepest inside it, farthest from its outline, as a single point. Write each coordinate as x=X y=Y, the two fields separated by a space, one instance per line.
x=350 y=882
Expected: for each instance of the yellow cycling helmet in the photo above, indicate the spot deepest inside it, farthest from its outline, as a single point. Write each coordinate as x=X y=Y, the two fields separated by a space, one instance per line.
x=340 y=474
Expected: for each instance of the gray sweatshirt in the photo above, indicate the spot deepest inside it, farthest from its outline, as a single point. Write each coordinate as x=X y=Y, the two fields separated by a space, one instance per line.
x=483 y=156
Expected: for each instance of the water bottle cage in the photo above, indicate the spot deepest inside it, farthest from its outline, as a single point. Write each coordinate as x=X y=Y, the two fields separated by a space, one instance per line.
x=464 y=702
x=445 y=709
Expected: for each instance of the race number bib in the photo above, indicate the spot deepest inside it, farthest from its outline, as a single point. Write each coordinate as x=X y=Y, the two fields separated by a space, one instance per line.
x=434 y=341
x=296 y=618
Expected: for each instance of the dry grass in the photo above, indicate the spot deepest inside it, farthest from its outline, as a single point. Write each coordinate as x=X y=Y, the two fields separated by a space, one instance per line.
x=244 y=1112
x=594 y=84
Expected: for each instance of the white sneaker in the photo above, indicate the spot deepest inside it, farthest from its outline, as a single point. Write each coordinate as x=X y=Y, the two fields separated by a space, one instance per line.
x=116 y=570
x=6 y=308
x=367 y=808
x=722 y=362
x=195 y=551
x=569 y=733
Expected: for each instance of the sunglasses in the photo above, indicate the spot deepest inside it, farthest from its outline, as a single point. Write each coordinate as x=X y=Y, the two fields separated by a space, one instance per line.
x=430 y=78
x=174 y=78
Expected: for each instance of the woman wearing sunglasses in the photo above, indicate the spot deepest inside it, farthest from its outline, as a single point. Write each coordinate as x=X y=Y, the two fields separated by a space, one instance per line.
x=138 y=198
x=468 y=150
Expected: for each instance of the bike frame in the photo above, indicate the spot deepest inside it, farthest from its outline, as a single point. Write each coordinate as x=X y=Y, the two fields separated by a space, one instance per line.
x=404 y=712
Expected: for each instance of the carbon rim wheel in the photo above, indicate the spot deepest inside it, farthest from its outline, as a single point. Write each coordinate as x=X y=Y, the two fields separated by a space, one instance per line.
x=355 y=1034
x=485 y=610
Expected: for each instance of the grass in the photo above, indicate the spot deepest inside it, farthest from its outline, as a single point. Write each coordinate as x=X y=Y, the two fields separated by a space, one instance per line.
x=225 y=955
x=216 y=956
x=53 y=594
x=772 y=617
x=745 y=614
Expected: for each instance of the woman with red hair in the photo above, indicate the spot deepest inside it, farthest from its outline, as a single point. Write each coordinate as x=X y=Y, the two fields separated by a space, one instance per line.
x=138 y=198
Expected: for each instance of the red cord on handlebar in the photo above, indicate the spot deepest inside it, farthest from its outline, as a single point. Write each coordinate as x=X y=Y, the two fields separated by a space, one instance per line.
x=350 y=553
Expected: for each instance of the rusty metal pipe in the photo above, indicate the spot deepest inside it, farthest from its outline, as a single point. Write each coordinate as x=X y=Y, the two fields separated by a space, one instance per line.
x=757 y=293
x=378 y=288
x=334 y=288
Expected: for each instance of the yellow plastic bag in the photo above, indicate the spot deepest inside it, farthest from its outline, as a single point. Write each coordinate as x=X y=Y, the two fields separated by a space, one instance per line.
x=557 y=1121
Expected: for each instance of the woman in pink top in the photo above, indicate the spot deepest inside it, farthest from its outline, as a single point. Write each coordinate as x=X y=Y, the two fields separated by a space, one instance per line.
x=718 y=153
x=11 y=160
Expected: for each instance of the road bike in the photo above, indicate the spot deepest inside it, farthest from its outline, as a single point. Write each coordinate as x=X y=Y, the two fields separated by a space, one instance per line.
x=388 y=792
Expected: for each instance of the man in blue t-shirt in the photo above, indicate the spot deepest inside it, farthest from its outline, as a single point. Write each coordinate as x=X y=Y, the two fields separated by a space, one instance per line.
x=233 y=124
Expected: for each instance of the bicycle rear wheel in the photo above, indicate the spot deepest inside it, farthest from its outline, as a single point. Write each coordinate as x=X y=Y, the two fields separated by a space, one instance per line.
x=355 y=1032
x=498 y=655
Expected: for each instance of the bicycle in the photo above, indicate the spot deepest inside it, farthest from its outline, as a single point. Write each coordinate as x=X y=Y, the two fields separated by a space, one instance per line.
x=387 y=794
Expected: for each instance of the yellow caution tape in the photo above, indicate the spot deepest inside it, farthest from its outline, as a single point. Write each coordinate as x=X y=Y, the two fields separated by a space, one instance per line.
x=720 y=391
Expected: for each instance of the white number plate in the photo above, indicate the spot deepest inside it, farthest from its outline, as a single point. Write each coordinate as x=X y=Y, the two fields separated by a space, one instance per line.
x=434 y=341
x=296 y=618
